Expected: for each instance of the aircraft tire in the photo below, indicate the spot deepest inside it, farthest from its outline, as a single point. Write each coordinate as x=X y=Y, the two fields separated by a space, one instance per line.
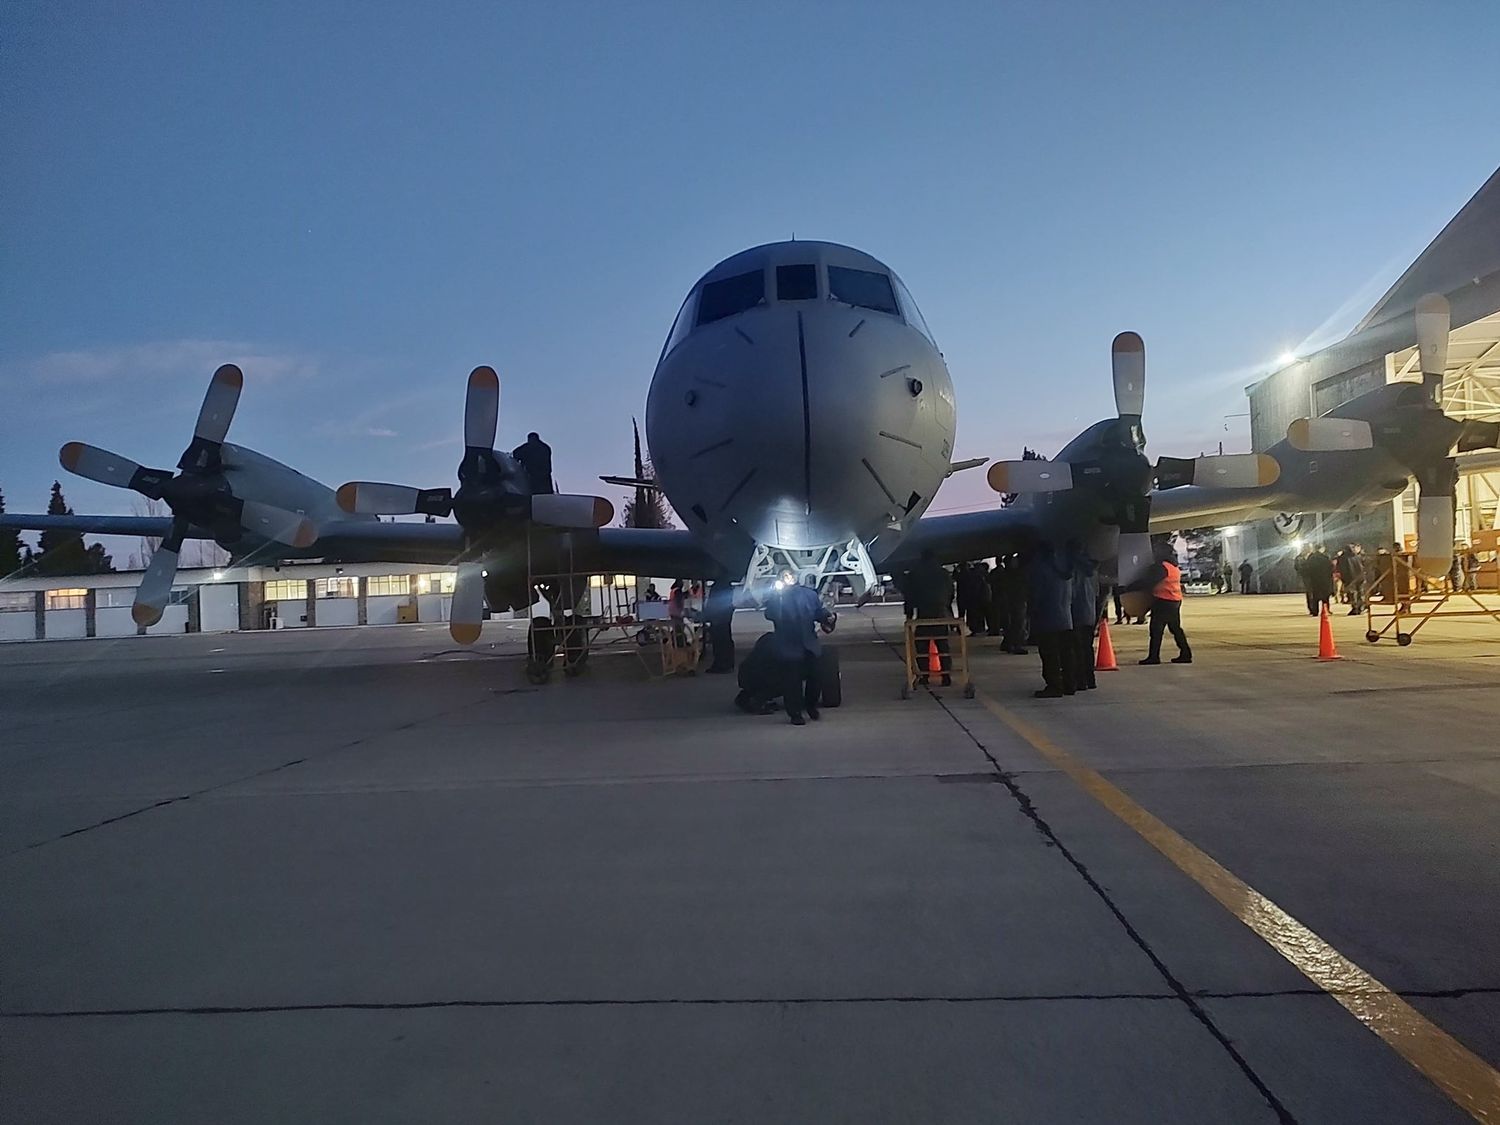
x=830 y=680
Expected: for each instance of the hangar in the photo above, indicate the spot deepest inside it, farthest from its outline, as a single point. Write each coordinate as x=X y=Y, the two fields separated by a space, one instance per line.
x=1462 y=263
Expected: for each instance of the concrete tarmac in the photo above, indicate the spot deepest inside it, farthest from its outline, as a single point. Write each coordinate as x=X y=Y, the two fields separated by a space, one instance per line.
x=355 y=875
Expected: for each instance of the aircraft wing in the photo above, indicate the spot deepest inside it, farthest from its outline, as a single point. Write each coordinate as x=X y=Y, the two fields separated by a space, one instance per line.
x=147 y=526
x=964 y=535
x=1194 y=506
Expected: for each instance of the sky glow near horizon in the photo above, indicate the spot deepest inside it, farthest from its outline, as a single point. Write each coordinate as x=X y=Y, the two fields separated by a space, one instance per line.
x=359 y=203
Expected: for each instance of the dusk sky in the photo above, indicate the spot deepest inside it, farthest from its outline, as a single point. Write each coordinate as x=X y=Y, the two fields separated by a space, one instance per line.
x=359 y=202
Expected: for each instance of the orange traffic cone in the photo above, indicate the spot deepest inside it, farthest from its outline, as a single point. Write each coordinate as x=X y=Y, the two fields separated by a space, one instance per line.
x=1106 y=658
x=1326 y=651
x=934 y=661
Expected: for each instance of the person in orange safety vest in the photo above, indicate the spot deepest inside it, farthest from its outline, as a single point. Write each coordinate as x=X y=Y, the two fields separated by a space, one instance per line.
x=1164 y=581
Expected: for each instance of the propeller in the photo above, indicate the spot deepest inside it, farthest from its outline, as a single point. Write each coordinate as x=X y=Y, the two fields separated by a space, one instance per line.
x=1121 y=475
x=1419 y=435
x=493 y=496
x=198 y=495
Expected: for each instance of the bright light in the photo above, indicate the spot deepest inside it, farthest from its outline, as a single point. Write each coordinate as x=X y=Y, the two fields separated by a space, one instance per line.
x=484 y=574
x=1286 y=359
x=1296 y=544
x=1231 y=530
x=218 y=576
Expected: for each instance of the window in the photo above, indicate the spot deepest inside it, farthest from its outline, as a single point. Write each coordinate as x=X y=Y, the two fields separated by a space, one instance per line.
x=731 y=295
x=441 y=583
x=796 y=283
x=336 y=587
x=863 y=289
x=286 y=590
x=385 y=585
x=17 y=603
x=114 y=597
x=682 y=325
x=66 y=599
x=911 y=312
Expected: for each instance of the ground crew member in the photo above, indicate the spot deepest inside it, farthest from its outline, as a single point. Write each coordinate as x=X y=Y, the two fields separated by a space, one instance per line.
x=1351 y=571
x=795 y=611
x=977 y=599
x=1164 y=581
x=1012 y=605
x=535 y=457
x=1246 y=570
x=1317 y=578
x=1049 y=581
x=1085 y=615
x=718 y=612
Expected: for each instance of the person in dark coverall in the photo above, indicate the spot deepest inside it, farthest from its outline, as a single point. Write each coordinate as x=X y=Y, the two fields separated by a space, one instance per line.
x=931 y=593
x=796 y=611
x=1049 y=580
x=995 y=580
x=1164 y=582
x=1246 y=570
x=1012 y=605
x=718 y=611
x=536 y=458
x=1085 y=614
x=1317 y=577
x=978 y=598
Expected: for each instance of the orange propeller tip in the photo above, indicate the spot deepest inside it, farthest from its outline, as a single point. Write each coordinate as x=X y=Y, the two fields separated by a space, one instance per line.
x=70 y=454
x=306 y=535
x=484 y=373
x=1128 y=342
x=347 y=496
x=604 y=511
x=146 y=615
x=463 y=632
x=230 y=373
x=1270 y=469
x=998 y=477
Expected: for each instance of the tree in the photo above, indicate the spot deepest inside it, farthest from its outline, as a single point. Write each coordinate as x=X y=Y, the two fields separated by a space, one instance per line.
x=649 y=507
x=62 y=552
x=10 y=546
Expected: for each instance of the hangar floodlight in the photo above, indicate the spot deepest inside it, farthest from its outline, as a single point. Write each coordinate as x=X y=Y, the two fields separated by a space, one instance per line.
x=1286 y=359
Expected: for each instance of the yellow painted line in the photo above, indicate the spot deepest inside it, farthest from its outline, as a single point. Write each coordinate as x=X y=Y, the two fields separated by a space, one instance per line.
x=1466 y=1078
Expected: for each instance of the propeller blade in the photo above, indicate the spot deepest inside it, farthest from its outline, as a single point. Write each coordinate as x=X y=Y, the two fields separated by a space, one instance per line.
x=1329 y=435
x=1435 y=533
x=98 y=464
x=482 y=408
x=1128 y=358
x=562 y=510
x=1432 y=343
x=1236 y=470
x=1030 y=476
x=271 y=522
x=1479 y=435
x=219 y=403
x=466 y=614
x=362 y=497
x=155 y=590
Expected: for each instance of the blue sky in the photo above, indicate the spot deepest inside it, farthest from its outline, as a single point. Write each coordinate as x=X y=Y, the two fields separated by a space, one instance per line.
x=360 y=202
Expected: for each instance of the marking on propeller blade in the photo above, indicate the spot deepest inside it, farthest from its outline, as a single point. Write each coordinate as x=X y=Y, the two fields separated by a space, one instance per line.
x=856 y=328
x=743 y=335
x=896 y=371
x=902 y=440
x=715 y=445
x=1466 y=1078
x=735 y=491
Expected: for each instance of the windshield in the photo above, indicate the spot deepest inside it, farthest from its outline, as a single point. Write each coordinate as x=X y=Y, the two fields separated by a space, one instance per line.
x=862 y=288
x=731 y=295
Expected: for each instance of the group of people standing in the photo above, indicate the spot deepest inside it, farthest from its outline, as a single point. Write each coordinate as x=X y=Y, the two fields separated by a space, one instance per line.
x=1047 y=595
x=1323 y=577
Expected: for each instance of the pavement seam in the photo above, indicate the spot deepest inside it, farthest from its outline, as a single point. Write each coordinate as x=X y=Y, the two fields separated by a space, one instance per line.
x=179 y=798
x=702 y=1001
x=1039 y=823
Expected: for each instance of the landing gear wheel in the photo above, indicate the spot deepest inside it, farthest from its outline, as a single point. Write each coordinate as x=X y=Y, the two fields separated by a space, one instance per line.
x=968 y=691
x=1403 y=639
x=830 y=682
x=1372 y=636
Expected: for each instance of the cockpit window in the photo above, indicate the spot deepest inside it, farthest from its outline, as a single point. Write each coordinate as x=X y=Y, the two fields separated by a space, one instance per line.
x=796 y=283
x=862 y=288
x=682 y=325
x=912 y=313
x=731 y=295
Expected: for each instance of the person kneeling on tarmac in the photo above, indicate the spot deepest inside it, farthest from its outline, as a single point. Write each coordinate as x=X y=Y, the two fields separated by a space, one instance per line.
x=796 y=611
x=760 y=678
